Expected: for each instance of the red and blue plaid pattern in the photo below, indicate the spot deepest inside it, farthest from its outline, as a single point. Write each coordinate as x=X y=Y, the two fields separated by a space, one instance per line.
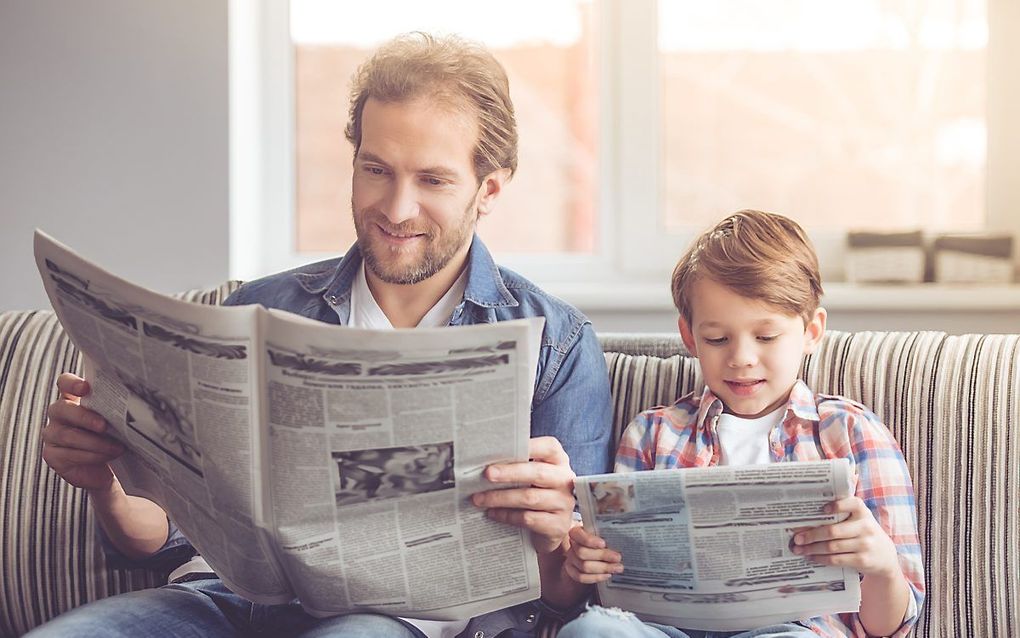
x=815 y=427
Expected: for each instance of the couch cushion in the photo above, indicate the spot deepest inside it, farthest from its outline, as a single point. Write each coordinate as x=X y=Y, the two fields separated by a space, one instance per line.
x=49 y=560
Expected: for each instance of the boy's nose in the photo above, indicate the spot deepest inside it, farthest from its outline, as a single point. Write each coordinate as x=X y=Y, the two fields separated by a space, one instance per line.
x=743 y=356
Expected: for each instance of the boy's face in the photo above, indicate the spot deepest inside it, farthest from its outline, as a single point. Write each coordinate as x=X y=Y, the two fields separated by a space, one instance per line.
x=750 y=353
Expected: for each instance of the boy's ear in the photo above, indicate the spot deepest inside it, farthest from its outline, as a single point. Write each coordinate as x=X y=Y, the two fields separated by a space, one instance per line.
x=490 y=188
x=687 y=336
x=814 y=331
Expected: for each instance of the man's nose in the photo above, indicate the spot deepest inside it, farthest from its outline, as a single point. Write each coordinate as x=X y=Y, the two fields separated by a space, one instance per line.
x=401 y=203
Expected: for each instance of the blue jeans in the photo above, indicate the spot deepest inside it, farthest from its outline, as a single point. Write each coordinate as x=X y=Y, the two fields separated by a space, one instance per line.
x=599 y=622
x=204 y=608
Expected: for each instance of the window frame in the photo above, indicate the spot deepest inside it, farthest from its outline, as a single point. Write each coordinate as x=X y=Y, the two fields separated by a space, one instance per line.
x=632 y=246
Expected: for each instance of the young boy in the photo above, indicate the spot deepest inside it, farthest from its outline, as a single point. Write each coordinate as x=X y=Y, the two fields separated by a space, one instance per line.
x=748 y=294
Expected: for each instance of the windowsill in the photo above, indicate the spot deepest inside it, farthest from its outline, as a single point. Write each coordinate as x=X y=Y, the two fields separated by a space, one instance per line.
x=838 y=296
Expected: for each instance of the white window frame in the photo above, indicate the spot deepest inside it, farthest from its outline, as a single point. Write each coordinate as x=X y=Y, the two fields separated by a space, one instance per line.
x=634 y=253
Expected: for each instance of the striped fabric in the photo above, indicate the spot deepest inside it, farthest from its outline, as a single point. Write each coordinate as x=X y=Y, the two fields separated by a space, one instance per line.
x=49 y=560
x=952 y=403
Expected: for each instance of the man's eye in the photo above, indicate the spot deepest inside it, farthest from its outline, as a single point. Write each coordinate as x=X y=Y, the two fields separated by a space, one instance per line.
x=433 y=181
x=374 y=170
x=716 y=342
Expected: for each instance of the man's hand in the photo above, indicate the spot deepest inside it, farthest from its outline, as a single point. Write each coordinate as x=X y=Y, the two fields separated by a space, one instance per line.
x=589 y=561
x=858 y=542
x=74 y=443
x=545 y=504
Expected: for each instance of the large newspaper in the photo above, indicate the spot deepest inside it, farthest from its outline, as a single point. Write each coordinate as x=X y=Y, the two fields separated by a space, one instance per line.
x=709 y=548
x=310 y=461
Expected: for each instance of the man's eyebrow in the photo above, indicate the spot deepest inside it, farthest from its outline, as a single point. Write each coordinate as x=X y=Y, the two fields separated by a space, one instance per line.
x=437 y=171
x=370 y=157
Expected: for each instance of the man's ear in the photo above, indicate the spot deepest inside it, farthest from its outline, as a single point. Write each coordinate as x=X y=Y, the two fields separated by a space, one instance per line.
x=814 y=331
x=490 y=188
x=687 y=336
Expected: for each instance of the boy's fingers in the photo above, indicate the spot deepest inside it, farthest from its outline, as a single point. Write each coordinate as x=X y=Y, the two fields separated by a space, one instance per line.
x=583 y=578
x=581 y=537
x=603 y=555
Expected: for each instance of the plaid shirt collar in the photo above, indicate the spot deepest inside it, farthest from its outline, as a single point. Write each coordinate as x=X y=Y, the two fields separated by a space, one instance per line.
x=801 y=413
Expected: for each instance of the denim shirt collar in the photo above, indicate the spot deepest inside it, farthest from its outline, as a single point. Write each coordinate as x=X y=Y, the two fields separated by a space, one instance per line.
x=485 y=286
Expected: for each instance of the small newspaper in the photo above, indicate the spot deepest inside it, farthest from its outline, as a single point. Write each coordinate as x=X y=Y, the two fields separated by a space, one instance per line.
x=709 y=548
x=312 y=461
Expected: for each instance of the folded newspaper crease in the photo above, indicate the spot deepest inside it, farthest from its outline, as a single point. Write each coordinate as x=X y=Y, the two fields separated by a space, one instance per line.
x=709 y=548
x=311 y=461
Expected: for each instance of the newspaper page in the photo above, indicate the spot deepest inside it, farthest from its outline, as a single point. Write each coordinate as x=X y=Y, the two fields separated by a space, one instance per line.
x=376 y=441
x=177 y=383
x=709 y=548
x=311 y=461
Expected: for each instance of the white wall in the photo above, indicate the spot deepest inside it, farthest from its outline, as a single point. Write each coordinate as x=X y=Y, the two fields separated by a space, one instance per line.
x=113 y=138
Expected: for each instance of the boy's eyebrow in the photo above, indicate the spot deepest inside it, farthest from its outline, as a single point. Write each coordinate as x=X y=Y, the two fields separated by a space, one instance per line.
x=438 y=171
x=719 y=324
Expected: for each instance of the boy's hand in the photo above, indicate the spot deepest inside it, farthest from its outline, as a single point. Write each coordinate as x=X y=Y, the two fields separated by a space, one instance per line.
x=858 y=541
x=74 y=443
x=589 y=561
x=545 y=505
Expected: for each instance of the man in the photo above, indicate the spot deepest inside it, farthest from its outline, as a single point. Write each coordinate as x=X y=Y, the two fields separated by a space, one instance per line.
x=435 y=142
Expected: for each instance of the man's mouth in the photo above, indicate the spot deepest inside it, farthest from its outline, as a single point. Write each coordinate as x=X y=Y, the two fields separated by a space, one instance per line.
x=399 y=235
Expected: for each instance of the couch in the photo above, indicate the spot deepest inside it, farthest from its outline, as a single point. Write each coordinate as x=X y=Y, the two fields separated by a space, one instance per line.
x=951 y=401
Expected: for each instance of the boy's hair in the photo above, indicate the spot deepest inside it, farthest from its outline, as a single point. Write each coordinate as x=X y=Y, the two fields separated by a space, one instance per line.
x=761 y=256
x=448 y=69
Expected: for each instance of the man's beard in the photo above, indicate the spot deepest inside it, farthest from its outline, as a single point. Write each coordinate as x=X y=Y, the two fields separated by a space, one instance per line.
x=438 y=252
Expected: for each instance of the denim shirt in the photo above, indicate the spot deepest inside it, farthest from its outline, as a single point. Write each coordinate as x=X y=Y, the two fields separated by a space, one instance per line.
x=571 y=400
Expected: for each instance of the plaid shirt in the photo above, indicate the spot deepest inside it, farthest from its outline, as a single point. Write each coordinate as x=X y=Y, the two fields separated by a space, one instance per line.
x=815 y=427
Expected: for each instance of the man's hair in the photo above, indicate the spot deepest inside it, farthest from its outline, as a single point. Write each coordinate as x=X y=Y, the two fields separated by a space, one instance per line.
x=448 y=69
x=761 y=256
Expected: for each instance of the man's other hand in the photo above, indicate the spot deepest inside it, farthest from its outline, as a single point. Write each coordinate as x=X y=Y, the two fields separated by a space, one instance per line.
x=544 y=504
x=75 y=443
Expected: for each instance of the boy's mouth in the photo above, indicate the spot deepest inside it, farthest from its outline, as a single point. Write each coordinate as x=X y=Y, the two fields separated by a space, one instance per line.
x=744 y=387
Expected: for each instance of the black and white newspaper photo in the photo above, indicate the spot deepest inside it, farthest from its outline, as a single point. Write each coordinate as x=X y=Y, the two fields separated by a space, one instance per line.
x=709 y=548
x=312 y=461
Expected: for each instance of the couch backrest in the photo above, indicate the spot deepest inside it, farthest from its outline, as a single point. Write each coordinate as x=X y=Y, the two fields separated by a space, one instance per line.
x=951 y=402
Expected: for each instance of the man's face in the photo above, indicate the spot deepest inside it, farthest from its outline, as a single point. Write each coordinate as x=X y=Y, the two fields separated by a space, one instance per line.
x=749 y=352
x=415 y=194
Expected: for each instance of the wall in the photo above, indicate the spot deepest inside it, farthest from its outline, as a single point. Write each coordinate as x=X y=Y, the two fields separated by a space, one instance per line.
x=113 y=138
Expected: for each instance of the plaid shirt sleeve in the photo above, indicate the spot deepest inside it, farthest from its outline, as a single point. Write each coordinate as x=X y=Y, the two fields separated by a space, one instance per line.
x=883 y=483
x=636 y=450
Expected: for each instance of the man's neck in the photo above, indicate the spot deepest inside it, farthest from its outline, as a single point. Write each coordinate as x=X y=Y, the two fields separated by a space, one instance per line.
x=405 y=304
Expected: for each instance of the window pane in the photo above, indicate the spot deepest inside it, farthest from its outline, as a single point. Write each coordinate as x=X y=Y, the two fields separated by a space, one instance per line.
x=548 y=49
x=839 y=113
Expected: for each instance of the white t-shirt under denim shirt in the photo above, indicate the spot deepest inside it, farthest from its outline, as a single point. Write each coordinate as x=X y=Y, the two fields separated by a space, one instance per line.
x=366 y=313
x=745 y=441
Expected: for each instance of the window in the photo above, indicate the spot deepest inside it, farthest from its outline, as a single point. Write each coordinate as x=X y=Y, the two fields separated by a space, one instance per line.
x=642 y=122
x=551 y=206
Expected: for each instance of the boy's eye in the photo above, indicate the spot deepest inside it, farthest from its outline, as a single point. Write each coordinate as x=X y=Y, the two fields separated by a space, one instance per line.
x=767 y=338
x=715 y=342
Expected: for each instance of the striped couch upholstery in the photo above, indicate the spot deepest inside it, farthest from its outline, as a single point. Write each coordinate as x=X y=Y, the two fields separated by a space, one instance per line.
x=951 y=401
